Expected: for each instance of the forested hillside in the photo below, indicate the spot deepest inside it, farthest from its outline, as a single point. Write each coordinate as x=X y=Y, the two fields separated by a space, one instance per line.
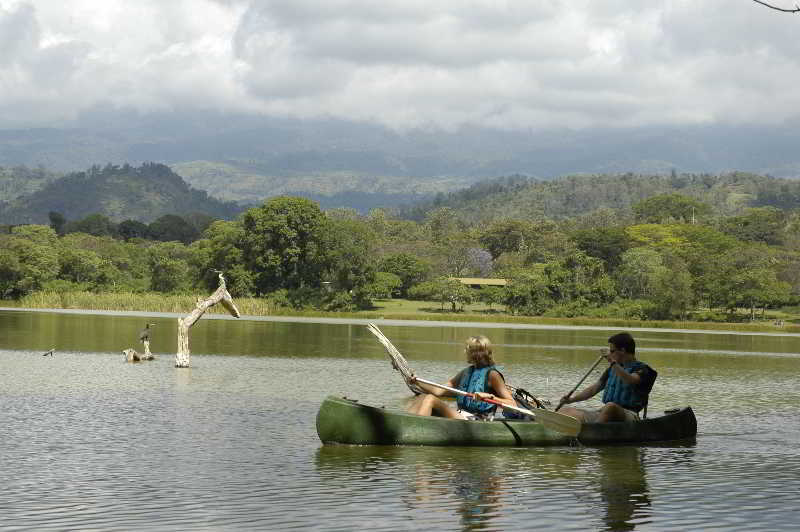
x=124 y=192
x=525 y=198
x=251 y=182
x=21 y=180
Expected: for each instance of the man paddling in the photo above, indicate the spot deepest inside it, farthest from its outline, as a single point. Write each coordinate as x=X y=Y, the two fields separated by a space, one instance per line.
x=626 y=381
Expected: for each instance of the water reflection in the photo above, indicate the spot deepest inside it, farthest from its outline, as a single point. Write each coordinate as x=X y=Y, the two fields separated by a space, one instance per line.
x=622 y=485
x=473 y=488
x=490 y=489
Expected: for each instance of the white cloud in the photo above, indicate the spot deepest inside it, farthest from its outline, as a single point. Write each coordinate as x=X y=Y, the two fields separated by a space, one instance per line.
x=404 y=63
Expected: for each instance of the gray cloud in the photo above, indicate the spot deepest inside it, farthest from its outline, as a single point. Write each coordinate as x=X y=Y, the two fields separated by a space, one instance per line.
x=404 y=63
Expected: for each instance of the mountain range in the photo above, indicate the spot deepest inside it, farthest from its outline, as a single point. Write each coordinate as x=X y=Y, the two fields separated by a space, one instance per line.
x=339 y=163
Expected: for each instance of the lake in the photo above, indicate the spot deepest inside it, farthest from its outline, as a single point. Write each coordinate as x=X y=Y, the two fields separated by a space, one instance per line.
x=93 y=443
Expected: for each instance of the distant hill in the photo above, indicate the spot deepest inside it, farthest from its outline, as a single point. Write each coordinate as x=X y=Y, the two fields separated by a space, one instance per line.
x=21 y=180
x=251 y=183
x=141 y=193
x=526 y=198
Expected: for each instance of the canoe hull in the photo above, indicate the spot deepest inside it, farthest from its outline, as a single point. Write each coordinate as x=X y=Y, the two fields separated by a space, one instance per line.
x=344 y=421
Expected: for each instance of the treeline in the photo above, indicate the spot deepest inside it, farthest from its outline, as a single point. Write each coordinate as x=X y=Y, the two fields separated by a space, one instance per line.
x=170 y=227
x=668 y=256
x=522 y=197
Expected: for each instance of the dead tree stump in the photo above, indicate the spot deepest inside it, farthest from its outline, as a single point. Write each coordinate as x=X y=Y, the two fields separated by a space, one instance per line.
x=221 y=295
x=132 y=356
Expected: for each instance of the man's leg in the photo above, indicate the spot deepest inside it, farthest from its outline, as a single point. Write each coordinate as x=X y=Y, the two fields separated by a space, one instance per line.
x=577 y=413
x=612 y=412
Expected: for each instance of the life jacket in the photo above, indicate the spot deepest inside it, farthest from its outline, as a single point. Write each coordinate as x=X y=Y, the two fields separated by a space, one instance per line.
x=630 y=397
x=475 y=380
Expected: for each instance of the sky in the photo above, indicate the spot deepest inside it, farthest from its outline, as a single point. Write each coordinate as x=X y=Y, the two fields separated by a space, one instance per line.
x=509 y=64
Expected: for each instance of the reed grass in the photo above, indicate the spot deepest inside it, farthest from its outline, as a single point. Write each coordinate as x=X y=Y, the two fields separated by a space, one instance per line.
x=183 y=304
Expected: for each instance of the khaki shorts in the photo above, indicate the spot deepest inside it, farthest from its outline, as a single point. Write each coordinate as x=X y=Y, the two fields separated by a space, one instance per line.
x=591 y=416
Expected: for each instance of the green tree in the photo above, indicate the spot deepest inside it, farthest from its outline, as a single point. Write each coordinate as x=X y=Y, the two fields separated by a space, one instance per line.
x=283 y=244
x=640 y=272
x=747 y=278
x=445 y=291
x=172 y=228
x=10 y=273
x=169 y=268
x=672 y=293
x=528 y=291
x=35 y=248
x=605 y=243
x=78 y=265
x=129 y=229
x=442 y=223
x=222 y=249
x=385 y=285
x=407 y=267
x=579 y=279
x=762 y=224
x=57 y=222
x=93 y=224
x=670 y=207
x=349 y=248
x=491 y=295
x=504 y=236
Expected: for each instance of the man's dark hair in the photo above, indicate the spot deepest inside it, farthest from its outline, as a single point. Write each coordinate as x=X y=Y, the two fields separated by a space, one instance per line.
x=623 y=341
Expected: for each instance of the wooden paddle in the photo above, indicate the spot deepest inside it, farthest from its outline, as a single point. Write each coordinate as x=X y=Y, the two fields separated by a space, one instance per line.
x=601 y=357
x=558 y=422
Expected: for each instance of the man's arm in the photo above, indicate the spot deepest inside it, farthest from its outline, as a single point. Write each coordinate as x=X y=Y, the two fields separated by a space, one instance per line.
x=588 y=392
x=632 y=379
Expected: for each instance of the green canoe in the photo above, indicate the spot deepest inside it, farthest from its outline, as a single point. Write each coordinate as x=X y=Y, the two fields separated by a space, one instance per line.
x=341 y=420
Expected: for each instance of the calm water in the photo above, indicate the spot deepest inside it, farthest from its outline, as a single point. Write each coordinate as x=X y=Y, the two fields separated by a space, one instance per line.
x=92 y=443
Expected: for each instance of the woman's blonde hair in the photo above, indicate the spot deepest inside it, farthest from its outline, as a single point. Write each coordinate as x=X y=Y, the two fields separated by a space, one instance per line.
x=479 y=351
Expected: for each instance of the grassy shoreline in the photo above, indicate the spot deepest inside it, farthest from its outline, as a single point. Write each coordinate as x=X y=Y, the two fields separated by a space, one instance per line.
x=392 y=309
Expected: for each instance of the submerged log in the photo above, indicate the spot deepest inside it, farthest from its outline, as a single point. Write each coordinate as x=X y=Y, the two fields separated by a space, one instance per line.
x=221 y=295
x=132 y=356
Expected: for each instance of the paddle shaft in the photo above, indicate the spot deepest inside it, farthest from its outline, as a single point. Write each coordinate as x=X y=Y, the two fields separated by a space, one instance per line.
x=601 y=357
x=558 y=422
x=468 y=394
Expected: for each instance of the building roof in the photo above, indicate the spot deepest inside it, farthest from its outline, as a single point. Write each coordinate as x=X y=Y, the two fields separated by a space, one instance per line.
x=482 y=281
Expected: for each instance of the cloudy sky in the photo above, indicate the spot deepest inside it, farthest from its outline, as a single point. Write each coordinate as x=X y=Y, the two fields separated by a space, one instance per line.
x=405 y=63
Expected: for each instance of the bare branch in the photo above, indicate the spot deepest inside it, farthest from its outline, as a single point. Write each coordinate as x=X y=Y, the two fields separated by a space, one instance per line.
x=796 y=9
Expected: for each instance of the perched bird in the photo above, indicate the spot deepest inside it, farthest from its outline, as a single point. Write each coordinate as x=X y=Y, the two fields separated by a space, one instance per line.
x=49 y=353
x=144 y=336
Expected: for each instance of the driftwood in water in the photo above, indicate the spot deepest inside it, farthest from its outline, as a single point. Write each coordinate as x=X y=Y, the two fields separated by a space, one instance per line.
x=132 y=356
x=221 y=295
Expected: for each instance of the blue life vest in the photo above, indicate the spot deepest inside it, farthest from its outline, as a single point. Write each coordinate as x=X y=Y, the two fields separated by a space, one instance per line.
x=475 y=380
x=627 y=396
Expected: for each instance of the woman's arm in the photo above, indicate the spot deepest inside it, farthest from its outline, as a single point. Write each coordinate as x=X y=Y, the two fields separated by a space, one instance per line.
x=499 y=390
x=439 y=392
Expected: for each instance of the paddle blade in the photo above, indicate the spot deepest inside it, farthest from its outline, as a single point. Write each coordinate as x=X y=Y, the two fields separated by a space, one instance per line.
x=558 y=422
x=398 y=360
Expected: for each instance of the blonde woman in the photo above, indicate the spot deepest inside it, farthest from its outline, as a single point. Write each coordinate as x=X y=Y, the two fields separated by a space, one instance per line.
x=481 y=378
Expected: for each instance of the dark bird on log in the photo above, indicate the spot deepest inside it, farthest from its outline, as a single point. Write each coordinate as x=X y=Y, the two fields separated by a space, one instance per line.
x=144 y=336
x=49 y=353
